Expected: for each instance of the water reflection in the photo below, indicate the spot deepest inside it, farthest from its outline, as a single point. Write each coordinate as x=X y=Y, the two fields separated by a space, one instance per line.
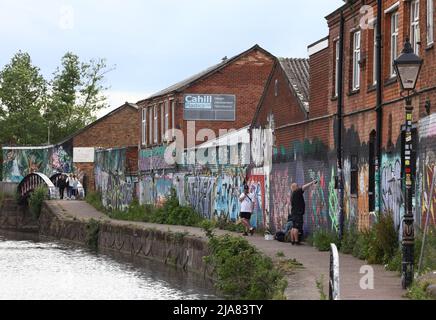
x=34 y=269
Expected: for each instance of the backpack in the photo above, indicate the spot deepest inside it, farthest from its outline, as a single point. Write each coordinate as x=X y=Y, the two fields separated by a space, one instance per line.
x=280 y=236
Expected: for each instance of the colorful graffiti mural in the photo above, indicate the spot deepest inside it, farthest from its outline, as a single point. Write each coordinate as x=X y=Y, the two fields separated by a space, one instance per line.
x=391 y=188
x=428 y=200
x=153 y=159
x=115 y=187
x=20 y=162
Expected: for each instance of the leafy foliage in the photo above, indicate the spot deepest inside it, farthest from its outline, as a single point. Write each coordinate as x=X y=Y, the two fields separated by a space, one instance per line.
x=63 y=104
x=23 y=93
x=349 y=240
x=170 y=213
x=323 y=238
x=36 y=199
x=418 y=291
x=242 y=272
x=76 y=95
x=92 y=232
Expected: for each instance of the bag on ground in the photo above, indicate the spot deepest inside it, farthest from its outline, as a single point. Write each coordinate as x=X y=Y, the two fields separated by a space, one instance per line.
x=280 y=236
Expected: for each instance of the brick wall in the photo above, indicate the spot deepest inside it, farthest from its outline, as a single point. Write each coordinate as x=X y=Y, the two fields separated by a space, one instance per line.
x=245 y=78
x=118 y=129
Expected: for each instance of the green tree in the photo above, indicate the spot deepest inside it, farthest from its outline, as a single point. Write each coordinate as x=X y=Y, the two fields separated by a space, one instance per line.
x=76 y=94
x=23 y=93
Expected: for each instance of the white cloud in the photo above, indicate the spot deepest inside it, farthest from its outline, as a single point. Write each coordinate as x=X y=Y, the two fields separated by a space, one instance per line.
x=118 y=98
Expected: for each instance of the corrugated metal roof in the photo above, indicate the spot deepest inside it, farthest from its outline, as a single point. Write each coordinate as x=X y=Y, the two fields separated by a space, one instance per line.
x=297 y=72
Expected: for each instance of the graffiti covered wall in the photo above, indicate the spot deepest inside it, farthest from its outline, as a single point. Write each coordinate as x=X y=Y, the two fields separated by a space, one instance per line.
x=18 y=162
x=426 y=195
x=111 y=179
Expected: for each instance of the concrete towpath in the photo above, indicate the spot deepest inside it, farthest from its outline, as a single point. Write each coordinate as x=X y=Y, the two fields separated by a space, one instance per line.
x=302 y=283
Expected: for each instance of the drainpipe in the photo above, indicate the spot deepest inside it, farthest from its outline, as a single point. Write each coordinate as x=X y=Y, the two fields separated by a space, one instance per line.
x=339 y=127
x=379 y=107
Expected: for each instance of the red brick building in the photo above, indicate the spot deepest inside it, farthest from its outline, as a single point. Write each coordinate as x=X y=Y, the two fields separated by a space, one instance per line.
x=364 y=158
x=115 y=130
x=293 y=106
x=235 y=85
x=343 y=125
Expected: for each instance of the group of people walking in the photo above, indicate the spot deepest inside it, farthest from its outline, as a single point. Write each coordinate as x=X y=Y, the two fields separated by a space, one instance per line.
x=294 y=226
x=71 y=184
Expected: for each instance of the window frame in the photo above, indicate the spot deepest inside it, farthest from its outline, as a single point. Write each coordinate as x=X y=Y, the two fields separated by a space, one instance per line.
x=173 y=126
x=430 y=22
x=166 y=119
x=394 y=34
x=336 y=83
x=155 y=125
x=144 y=127
x=414 y=26
x=374 y=59
x=357 y=55
x=150 y=124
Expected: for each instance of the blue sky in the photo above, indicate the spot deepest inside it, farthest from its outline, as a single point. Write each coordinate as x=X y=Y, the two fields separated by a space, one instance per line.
x=156 y=43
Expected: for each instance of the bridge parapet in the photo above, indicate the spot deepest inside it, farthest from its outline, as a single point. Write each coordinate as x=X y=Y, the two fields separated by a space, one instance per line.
x=32 y=182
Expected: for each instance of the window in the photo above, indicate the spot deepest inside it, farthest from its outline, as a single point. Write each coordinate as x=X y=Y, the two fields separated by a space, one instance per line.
x=150 y=125
x=414 y=30
x=354 y=176
x=155 y=124
x=356 y=61
x=167 y=120
x=144 y=126
x=394 y=41
x=337 y=49
x=276 y=88
x=173 y=107
x=374 y=59
x=162 y=131
x=430 y=22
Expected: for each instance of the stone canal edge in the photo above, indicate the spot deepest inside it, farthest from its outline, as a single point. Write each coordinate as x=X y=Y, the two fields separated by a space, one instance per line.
x=185 y=248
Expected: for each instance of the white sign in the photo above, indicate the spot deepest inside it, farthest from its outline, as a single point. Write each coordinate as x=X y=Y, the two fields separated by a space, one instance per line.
x=83 y=155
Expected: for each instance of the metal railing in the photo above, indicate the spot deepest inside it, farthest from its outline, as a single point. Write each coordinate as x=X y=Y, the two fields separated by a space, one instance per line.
x=334 y=288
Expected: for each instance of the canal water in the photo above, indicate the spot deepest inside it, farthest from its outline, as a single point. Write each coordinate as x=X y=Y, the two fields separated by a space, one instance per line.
x=34 y=269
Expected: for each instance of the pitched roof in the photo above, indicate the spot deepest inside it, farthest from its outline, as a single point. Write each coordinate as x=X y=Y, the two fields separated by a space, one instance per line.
x=203 y=74
x=126 y=104
x=297 y=72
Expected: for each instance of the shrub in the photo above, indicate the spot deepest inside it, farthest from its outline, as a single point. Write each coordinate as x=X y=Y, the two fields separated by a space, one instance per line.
x=396 y=261
x=429 y=254
x=361 y=247
x=242 y=272
x=223 y=223
x=323 y=238
x=349 y=240
x=383 y=240
x=92 y=231
x=418 y=291
x=36 y=199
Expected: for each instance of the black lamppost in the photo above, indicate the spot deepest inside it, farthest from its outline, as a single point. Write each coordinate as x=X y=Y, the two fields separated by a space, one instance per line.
x=408 y=66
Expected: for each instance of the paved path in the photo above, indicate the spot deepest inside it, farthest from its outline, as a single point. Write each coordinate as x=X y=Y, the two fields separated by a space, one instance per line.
x=302 y=284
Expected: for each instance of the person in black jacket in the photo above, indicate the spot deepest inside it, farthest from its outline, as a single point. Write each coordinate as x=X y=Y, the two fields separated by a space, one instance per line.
x=298 y=206
x=62 y=183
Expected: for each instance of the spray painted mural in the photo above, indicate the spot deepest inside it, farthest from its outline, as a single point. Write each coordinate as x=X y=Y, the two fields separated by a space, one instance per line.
x=318 y=201
x=115 y=187
x=426 y=178
x=391 y=188
x=152 y=159
x=19 y=162
x=212 y=196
